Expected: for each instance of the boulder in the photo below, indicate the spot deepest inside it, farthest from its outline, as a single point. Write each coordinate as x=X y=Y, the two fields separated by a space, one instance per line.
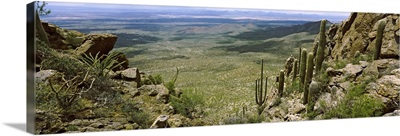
x=97 y=43
x=352 y=71
x=394 y=113
x=386 y=89
x=160 y=122
x=131 y=74
x=160 y=91
x=377 y=68
x=43 y=75
x=62 y=38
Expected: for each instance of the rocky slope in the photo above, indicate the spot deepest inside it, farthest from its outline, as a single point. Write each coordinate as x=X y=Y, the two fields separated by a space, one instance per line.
x=81 y=87
x=352 y=84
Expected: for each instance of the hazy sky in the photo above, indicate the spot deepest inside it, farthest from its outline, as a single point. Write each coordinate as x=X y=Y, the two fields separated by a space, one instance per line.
x=335 y=16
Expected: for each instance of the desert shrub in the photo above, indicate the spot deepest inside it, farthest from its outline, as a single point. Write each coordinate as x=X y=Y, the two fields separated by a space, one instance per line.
x=73 y=39
x=134 y=114
x=187 y=103
x=291 y=88
x=101 y=64
x=356 y=104
x=153 y=80
x=67 y=65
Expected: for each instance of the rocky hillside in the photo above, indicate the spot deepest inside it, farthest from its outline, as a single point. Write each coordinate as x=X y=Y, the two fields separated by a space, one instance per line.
x=352 y=83
x=83 y=86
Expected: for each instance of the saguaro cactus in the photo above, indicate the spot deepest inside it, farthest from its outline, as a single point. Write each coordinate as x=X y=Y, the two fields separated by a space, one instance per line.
x=309 y=74
x=313 y=94
x=298 y=70
x=260 y=98
x=294 y=70
x=321 y=46
x=378 y=43
x=302 y=65
x=281 y=82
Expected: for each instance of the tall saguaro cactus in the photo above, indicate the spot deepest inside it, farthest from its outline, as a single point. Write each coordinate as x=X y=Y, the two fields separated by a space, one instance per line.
x=302 y=71
x=321 y=46
x=294 y=70
x=281 y=83
x=260 y=98
x=378 y=43
x=309 y=74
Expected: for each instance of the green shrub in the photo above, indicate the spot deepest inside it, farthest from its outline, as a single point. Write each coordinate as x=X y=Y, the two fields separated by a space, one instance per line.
x=187 y=103
x=136 y=115
x=102 y=64
x=153 y=80
x=356 y=104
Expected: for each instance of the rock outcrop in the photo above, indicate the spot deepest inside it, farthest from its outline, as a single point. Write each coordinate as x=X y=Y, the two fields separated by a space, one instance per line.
x=62 y=38
x=358 y=33
x=97 y=43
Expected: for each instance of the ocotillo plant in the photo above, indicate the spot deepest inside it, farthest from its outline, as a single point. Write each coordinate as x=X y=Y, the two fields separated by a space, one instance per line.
x=281 y=83
x=321 y=46
x=294 y=70
x=378 y=43
x=302 y=65
x=260 y=98
x=309 y=74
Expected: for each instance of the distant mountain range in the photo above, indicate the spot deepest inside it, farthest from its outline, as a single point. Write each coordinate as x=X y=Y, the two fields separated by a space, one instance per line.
x=277 y=32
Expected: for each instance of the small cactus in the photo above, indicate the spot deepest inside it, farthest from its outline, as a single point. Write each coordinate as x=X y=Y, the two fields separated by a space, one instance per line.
x=378 y=43
x=302 y=65
x=321 y=46
x=312 y=94
x=281 y=82
x=308 y=78
x=294 y=70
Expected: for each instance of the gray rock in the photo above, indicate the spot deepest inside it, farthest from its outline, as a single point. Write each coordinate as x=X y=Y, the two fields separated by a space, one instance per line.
x=43 y=75
x=97 y=125
x=386 y=89
x=130 y=74
x=160 y=122
x=352 y=71
x=394 y=113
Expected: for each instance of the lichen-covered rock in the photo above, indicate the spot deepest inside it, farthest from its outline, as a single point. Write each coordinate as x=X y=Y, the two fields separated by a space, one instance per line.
x=358 y=33
x=62 y=38
x=352 y=71
x=377 y=68
x=387 y=89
